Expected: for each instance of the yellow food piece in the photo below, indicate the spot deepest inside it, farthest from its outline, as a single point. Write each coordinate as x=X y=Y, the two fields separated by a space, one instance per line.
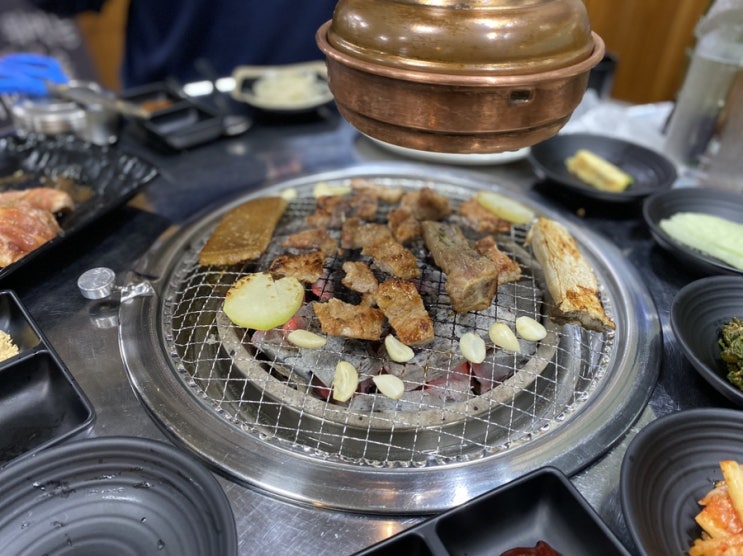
x=324 y=189
x=244 y=232
x=530 y=329
x=345 y=381
x=505 y=207
x=598 y=172
x=390 y=385
x=720 y=517
x=306 y=339
x=259 y=302
x=7 y=348
x=472 y=347
x=398 y=352
x=502 y=336
x=713 y=235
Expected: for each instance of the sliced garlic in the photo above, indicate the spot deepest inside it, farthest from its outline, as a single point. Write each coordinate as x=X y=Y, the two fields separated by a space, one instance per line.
x=306 y=339
x=472 y=347
x=502 y=336
x=324 y=189
x=289 y=194
x=529 y=329
x=345 y=381
x=390 y=385
x=398 y=352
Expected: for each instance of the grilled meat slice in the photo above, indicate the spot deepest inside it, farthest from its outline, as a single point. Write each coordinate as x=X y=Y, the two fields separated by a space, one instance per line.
x=356 y=234
x=305 y=267
x=570 y=278
x=393 y=258
x=481 y=219
x=313 y=238
x=382 y=192
x=359 y=277
x=403 y=306
x=471 y=279
x=415 y=207
x=24 y=228
x=333 y=210
x=244 y=232
x=44 y=198
x=508 y=269
x=338 y=318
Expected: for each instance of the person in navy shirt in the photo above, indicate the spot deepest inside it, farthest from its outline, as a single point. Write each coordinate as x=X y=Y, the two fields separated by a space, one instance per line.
x=164 y=38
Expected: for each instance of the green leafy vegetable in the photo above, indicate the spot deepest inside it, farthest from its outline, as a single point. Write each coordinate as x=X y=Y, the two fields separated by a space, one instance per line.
x=731 y=345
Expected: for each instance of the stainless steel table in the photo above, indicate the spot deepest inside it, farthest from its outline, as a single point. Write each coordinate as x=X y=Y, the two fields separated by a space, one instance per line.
x=85 y=333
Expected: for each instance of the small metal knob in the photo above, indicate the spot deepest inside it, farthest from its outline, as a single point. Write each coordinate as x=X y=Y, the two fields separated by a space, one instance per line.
x=97 y=283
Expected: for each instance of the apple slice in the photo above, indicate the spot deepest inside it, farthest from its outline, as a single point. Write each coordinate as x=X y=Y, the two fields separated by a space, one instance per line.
x=258 y=301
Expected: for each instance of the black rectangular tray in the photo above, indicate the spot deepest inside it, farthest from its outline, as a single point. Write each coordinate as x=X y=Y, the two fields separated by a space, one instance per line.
x=180 y=122
x=540 y=506
x=105 y=178
x=41 y=404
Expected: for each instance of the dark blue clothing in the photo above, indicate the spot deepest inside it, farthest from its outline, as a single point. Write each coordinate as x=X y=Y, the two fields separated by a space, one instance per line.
x=165 y=37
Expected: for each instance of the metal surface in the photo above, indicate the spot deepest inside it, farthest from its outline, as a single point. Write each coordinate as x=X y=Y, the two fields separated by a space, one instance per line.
x=453 y=76
x=577 y=389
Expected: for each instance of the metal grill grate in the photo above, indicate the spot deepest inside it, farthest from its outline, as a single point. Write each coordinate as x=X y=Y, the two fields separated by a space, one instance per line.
x=250 y=409
x=266 y=386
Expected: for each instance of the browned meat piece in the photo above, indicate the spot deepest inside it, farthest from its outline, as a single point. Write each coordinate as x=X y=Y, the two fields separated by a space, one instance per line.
x=44 y=198
x=570 y=279
x=426 y=204
x=481 y=219
x=508 y=269
x=383 y=193
x=338 y=318
x=313 y=238
x=333 y=210
x=471 y=279
x=24 y=228
x=244 y=232
x=392 y=257
x=405 y=227
x=415 y=207
x=359 y=277
x=401 y=303
x=356 y=234
x=305 y=267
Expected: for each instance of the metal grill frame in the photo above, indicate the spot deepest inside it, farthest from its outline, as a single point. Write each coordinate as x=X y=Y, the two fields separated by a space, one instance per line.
x=294 y=469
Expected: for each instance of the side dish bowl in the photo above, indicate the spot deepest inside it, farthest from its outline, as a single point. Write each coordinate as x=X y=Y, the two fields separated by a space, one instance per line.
x=698 y=313
x=668 y=467
x=651 y=171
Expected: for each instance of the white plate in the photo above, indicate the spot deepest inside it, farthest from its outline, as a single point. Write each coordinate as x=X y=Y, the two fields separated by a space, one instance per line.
x=309 y=81
x=476 y=159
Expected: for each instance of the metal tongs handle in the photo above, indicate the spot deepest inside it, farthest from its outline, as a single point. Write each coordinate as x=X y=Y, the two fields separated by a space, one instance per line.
x=87 y=97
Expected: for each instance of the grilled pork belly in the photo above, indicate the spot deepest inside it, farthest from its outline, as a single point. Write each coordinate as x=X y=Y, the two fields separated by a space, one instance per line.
x=24 y=228
x=471 y=279
x=403 y=306
x=332 y=210
x=356 y=234
x=338 y=318
x=570 y=279
x=508 y=269
x=415 y=207
x=382 y=192
x=305 y=267
x=359 y=277
x=313 y=238
x=376 y=241
x=481 y=219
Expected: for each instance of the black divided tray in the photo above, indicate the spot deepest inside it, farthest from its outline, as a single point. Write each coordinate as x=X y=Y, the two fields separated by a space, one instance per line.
x=41 y=404
x=177 y=122
x=100 y=179
x=540 y=506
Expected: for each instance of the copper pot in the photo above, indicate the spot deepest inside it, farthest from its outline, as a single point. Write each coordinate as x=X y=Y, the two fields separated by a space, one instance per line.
x=475 y=76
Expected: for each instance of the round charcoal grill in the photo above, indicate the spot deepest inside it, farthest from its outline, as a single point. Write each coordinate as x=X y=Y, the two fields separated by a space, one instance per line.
x=253 y=406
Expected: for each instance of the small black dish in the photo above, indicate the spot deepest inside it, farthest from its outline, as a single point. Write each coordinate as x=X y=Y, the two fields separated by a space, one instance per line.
x=698 y=312
x=651 y=171
x=41 y=404
x=668 y=467
x=114 y=495
x=540 y=506
x=717 y=202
